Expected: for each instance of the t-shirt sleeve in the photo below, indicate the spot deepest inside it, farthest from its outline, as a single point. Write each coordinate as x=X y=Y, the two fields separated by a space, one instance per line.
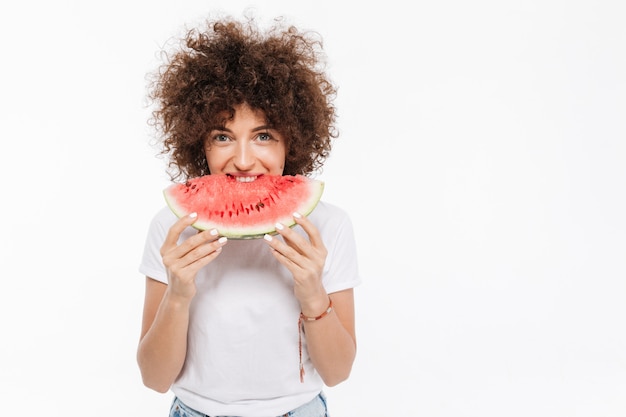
x=151 y=262
x=341 y=271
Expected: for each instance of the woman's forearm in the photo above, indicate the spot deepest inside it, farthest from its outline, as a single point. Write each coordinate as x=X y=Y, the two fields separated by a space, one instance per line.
x=331 y=340
x=162 y=350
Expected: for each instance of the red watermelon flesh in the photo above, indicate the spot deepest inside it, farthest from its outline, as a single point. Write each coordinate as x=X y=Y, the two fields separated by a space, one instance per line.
x=244 y=210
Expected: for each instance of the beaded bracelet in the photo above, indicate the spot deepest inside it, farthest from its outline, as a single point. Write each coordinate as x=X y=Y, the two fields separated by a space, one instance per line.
x=301 y=321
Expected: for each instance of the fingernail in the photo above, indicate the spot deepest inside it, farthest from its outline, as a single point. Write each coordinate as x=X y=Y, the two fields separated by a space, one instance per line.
x=279 y=226
x=297 y=215
x=268 y=238
x=193 y=215
x=213 y=232
x=223 y=239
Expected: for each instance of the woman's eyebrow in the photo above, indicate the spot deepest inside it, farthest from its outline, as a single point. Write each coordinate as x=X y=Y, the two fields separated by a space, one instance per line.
x=220 y=128
x=263 y=127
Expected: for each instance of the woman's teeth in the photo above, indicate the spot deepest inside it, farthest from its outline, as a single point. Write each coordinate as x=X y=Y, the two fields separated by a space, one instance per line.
x=246 y=179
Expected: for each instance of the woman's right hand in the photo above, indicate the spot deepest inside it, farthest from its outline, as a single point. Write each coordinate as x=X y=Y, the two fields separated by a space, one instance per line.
x=183 y=261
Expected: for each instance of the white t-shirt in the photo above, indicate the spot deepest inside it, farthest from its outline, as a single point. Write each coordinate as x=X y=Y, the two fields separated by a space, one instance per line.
x=242 y=355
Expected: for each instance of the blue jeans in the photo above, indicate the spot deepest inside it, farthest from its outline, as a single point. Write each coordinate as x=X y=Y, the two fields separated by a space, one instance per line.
x=314 y=408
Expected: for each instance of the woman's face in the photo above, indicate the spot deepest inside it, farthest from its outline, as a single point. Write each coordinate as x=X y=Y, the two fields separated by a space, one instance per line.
x=245 y=147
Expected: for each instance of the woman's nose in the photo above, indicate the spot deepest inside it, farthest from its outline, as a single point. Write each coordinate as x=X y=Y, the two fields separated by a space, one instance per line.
x=244 y=157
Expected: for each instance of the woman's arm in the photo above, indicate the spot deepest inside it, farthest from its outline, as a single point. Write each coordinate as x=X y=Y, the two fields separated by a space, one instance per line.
x=163 y=344
x=331 y=340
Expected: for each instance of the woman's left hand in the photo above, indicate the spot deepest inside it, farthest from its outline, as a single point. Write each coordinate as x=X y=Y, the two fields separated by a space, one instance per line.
x=305 y=259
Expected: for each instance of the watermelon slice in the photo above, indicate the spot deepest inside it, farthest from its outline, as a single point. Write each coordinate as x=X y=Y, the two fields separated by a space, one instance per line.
x=244 y=210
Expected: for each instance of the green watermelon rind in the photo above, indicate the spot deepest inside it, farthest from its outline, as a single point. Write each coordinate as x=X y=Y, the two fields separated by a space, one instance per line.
x=247 y=233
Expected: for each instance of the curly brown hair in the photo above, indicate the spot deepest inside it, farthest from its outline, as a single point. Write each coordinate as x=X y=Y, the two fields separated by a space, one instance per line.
x=278 y=71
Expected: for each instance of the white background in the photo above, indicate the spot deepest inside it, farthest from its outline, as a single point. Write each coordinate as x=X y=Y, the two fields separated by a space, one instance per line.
x=481 y=158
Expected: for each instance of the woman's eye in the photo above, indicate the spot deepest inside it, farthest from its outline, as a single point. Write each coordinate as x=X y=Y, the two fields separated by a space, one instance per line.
x=264 y=137
x=220 y=138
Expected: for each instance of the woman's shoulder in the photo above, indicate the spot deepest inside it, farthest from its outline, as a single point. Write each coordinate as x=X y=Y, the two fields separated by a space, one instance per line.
x=163 y=219
x=329 y=215
x=325 y=209
x=164 y=215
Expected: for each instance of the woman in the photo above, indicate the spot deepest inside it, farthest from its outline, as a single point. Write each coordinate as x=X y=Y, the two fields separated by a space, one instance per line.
x=219 y=321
